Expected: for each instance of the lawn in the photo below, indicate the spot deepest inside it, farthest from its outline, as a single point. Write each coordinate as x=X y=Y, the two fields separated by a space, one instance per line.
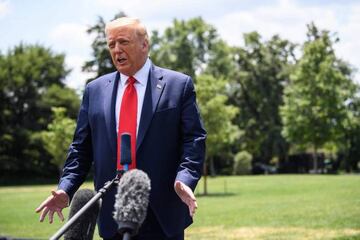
x=273 y=207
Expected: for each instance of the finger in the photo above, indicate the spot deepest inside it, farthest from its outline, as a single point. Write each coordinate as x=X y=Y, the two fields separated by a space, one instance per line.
x=194 y=207
x=181 y=186
x=192 y=210
x=42 y=205
x=61 y=216
x=54 y=193
x=191 y=195
x=191 y=206
x=44 y=213
x=188 y=191
x=51 y=216
x=178 y=186
x=39 y=208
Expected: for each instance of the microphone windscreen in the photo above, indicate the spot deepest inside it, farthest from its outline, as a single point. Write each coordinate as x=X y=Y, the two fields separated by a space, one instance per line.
x=131 y=200
x=125 y=149
x=84 y=227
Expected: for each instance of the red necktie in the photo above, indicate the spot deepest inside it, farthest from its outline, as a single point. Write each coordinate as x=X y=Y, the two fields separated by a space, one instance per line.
x=128 y=121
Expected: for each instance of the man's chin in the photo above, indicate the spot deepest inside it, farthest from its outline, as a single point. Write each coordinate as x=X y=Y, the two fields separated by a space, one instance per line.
x=124 y=70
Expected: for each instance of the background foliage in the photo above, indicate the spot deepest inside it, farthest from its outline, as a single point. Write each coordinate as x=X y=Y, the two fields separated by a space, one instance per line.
x=286 y=112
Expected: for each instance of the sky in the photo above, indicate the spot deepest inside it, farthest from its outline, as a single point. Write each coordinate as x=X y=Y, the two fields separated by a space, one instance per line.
x=61 y=24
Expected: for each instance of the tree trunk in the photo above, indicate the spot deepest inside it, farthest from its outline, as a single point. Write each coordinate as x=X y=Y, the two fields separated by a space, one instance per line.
x=212 y=167
x=205 y=177
x=315 y=159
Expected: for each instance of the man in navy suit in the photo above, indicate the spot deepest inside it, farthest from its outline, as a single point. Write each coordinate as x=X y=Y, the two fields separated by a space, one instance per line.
x=170 y=137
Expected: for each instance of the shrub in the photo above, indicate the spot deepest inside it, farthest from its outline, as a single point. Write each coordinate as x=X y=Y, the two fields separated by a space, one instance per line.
x=242 y=163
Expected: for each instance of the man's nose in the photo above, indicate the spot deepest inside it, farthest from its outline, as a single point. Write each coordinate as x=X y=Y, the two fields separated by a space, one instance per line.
x=118 y=48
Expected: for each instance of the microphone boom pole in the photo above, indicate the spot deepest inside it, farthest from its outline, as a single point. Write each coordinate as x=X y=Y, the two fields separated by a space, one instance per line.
x=88 y=205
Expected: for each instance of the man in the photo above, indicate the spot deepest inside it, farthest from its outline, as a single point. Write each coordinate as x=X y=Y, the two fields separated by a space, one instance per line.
x=158 y=108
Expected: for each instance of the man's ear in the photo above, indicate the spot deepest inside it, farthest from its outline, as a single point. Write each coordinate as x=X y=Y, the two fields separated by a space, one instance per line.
x=145 y=45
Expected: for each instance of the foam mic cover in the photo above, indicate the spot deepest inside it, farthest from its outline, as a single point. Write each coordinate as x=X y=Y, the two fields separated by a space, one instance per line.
x=84 y=227
x=131 y=201
x=125 y=149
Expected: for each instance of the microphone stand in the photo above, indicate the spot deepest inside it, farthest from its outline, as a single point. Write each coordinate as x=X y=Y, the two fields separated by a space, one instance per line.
x=126 y=236
x=88 y=205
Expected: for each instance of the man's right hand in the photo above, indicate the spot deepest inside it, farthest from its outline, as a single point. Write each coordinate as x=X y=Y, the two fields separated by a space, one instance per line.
x=54 y=203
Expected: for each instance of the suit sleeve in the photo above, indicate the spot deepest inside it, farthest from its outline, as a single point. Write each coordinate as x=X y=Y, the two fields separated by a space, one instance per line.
x=79 y=157
x=193 y=137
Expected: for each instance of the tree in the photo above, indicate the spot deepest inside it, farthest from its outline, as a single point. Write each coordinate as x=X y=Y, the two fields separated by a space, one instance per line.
x=187 y=46
x=315 y=105
x=26 y=74
x=262 y=69
x=217 y=116
x=61 y=96
x=58 y=137
x=349 y=145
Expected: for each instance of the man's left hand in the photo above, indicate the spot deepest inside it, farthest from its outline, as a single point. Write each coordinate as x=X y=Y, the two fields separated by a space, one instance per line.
x=187 y=196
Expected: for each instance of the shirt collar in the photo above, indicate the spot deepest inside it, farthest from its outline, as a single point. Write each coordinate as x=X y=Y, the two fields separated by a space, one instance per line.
x=141 y=76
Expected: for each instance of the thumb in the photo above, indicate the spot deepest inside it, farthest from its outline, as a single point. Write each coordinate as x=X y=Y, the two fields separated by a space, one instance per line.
x=179 y=186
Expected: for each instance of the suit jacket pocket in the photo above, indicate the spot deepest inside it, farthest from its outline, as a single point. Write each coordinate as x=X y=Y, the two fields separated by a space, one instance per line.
x=165 y=107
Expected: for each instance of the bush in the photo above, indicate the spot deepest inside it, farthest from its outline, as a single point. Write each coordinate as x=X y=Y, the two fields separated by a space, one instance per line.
x=242 y=163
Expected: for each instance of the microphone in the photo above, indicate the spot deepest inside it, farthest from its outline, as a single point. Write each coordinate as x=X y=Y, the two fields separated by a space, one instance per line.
x=131 y=202
x=125 y=151
x=84 y=227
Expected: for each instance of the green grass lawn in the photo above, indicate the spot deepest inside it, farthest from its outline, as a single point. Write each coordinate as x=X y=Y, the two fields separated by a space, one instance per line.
x=251 y=207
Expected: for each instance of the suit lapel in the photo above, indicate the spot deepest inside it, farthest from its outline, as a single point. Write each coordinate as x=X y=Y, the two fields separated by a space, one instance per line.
x=154 y=89
x=109 y=108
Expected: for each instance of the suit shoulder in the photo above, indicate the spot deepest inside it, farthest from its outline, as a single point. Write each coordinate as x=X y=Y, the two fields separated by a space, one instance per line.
x=173 y=75
x=102 y=80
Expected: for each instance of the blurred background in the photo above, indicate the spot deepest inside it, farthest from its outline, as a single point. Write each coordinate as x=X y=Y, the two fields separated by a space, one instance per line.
x=277 y=86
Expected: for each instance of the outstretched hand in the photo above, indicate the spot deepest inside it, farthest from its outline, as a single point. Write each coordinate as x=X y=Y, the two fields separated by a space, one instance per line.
x=54 y=203
x=187 y=196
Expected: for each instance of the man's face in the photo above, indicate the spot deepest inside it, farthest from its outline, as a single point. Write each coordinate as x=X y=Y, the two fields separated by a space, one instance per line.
x=128 y=50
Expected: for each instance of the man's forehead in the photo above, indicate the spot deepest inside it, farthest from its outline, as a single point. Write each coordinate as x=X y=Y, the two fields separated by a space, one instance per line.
x=120 y=32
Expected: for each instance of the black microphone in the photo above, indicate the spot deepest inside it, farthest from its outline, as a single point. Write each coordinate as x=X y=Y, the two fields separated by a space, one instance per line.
x=125 y=151
x=84 y=227
x=131 y=202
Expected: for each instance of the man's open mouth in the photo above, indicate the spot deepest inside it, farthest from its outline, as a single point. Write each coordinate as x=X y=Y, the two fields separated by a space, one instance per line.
x=121 y=60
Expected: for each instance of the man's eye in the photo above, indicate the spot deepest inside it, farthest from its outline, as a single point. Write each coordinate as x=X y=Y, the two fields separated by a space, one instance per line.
x=111 y=45
x=124 y=42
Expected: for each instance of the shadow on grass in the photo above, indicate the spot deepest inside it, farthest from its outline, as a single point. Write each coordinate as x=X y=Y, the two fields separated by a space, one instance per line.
x=26 y=182
x=215 y=195
x=11 y=238
x=353 y=237
x=29 y=180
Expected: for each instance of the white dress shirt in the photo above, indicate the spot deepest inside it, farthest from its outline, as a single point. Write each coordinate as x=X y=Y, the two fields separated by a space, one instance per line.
x=141 y=77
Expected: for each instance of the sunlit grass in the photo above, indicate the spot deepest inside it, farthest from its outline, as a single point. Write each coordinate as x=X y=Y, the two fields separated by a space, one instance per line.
x=251 y=207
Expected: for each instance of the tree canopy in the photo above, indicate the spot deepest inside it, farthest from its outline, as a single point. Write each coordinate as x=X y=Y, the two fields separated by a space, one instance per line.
x=28 y=73
x=315 y=106
x=262 y=71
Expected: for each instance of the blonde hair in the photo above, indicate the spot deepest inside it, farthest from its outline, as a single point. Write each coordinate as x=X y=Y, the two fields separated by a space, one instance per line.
x=140 y=29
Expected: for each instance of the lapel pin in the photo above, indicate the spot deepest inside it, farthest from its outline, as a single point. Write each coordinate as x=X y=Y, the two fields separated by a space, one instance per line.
x=158 y=86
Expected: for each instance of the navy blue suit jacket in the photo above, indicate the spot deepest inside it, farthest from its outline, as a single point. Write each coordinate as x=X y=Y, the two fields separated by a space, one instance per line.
x=170 y=145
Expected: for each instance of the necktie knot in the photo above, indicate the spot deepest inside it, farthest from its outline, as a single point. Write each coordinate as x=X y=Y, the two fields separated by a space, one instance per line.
x=131 y=80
